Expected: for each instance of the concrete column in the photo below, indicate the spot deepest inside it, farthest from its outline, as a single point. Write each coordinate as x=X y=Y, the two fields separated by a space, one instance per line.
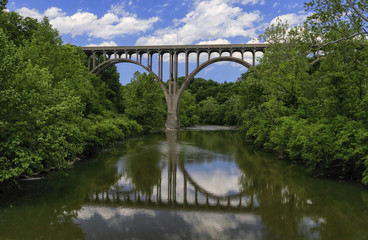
x=162 y=67
x=159 y=66
x=176 y=66
x=198 y=54
x=94 y=60
x=172 y=120
x=254 y=58
x=148 y=61
x=186 y=64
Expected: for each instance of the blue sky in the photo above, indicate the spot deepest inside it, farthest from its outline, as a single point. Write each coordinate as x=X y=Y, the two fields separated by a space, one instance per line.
x=144 y=22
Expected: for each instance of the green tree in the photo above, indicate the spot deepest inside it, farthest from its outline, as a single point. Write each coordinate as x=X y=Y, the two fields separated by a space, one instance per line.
x=210 y=111
x=188 y=110
x=144 y=101
x=111 y=78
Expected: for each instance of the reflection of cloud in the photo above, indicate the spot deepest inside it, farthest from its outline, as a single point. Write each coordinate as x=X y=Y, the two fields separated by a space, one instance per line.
x=107 y=213
x=130 y=223
x=216 y=177
x=217 y=226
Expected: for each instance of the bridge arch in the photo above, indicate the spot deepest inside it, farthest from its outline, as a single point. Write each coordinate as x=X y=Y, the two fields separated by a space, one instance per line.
x=100 y=68
x=114 y=54
x=208 y=63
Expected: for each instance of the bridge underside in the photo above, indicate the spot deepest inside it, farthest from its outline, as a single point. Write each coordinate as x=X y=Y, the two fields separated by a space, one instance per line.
x=99 y=58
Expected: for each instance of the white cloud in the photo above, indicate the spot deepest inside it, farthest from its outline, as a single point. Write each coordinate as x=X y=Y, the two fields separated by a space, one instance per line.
x=114 y=23
x=276 y=4
x=33 y=13
x=106 y=43
x=294 y=5
x=292 y=19
x=54 y=12
x=254 y=40
x=253 y=2
x=210 y=19
x=217 y=41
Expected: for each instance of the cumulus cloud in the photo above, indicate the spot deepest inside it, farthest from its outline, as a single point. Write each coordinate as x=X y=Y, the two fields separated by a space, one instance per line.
x=103 y=44
x=33 y=13
x=114 y=23
x=210 y=19
x=292 y=19
x=217 y=41
x=253 y=2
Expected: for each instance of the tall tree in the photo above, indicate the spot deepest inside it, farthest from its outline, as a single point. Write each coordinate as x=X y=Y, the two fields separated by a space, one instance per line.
x=144 y=101
x=329 y=16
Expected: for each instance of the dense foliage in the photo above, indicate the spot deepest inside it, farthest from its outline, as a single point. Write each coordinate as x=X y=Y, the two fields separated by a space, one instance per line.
x=209 y=102
x=313 y=114
x=144 y=101
x=51 y=109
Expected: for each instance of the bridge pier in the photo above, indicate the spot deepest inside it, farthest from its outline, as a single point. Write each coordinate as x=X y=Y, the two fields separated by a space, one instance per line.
x=172 y=120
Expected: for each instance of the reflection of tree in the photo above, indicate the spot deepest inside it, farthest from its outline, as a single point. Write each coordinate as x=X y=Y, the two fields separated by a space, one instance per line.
x=287 y=198
x=41 y=222
x=143 y=168
x=282 y=203
x=47 y=209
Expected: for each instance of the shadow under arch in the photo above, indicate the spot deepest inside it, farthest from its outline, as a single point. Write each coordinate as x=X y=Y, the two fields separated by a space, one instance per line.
x=206 y=64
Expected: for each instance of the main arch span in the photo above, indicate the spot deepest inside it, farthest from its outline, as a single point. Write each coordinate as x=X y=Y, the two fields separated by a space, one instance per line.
x=99 y=58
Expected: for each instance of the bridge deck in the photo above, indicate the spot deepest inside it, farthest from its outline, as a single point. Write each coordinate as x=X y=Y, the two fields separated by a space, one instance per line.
x=252 y=46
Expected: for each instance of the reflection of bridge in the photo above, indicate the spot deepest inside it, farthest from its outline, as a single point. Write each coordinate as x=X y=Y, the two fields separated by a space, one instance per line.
x=99 y=58
x=203 y=200
x=191 y=195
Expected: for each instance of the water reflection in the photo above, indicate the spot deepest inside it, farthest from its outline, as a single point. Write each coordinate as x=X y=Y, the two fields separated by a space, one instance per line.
x=142 y=180
x=195 y=185
x=216 y=175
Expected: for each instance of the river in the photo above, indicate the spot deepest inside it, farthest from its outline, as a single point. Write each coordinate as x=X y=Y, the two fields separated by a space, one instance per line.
x=187 y=185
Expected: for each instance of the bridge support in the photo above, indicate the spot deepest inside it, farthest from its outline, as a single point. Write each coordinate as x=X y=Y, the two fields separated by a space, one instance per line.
x=172 y=120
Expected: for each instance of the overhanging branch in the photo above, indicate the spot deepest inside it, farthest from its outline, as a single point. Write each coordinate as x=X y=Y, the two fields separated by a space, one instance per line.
x=357 y=11
x=343 y=38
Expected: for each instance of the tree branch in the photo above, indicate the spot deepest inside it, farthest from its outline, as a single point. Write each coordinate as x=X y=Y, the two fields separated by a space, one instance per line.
x=344 y=38
x=357 y=10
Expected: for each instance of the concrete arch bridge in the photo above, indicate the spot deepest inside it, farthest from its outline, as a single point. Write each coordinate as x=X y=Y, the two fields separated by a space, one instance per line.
x=100 y=58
